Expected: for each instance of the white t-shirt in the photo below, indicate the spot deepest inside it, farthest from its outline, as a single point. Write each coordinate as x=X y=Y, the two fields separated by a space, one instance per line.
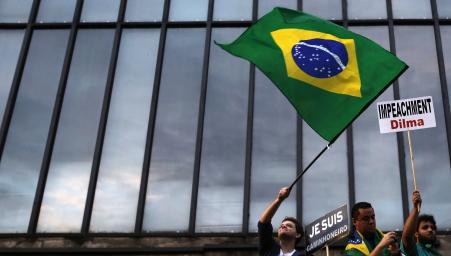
x=286 y=254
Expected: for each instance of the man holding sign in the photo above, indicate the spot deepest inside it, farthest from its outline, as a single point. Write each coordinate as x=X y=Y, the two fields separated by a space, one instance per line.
x=367 y=239
x=289 y=232
x=423 y=228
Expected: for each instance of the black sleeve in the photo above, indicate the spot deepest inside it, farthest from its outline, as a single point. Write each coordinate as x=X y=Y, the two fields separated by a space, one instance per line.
x=266 y=241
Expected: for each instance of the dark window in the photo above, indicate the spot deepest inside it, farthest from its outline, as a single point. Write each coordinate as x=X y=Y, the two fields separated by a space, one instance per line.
x=221 y=184
x=117 y=190
x=171 y=170
x=22 y=157
x=70 y=168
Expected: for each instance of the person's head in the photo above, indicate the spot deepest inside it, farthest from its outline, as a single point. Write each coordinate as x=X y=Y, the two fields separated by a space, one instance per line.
x=363 y=218
x=290 y=230
x=426 y=229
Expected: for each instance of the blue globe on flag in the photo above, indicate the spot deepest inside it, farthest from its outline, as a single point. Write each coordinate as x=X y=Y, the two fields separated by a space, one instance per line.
x=320 y=58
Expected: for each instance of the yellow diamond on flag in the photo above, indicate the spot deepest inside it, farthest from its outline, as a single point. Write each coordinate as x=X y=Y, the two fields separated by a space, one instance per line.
x=320 y=59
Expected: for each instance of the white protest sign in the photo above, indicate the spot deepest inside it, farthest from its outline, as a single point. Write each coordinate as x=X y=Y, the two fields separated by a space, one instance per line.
x=406 y=114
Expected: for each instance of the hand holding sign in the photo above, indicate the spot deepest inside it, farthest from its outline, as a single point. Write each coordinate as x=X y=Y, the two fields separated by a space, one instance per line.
x=416 y=200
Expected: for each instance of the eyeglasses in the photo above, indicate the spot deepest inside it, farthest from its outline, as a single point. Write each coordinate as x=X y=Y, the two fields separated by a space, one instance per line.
x=367 y=218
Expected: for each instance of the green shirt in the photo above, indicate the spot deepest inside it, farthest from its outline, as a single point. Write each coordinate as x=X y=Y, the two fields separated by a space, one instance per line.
x=421 y=250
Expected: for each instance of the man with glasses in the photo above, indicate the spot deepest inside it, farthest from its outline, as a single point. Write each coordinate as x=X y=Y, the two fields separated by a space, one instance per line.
x=365 y=238
x=419 y=234
x=289 y=232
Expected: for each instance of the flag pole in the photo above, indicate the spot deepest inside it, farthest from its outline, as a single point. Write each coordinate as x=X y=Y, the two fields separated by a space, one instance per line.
x=412 y=162
x=308 y=166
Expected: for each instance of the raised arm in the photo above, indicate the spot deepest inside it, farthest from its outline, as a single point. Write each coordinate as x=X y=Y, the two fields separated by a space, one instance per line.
x=409 y=229
x=269 y=212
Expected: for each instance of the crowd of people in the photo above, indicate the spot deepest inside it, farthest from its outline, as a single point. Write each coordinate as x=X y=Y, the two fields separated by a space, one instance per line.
x=418 y=237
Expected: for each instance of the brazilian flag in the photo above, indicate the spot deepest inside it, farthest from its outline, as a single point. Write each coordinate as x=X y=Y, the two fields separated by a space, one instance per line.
x=328 y=73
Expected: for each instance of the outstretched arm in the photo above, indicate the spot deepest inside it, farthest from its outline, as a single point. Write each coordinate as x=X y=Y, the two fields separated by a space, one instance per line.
x=269 y=212
x=411 y=223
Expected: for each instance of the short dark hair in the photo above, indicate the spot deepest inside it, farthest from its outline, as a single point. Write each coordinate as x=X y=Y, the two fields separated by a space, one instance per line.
x=299 y=229
x=357 y=206
x=426 y=218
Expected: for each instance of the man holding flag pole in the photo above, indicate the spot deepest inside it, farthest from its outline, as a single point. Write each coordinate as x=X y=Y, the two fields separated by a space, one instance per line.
x=289 y=233
x=419 y=233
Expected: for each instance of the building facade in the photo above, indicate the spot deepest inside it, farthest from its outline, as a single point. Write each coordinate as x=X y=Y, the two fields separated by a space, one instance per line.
x=126 y=130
